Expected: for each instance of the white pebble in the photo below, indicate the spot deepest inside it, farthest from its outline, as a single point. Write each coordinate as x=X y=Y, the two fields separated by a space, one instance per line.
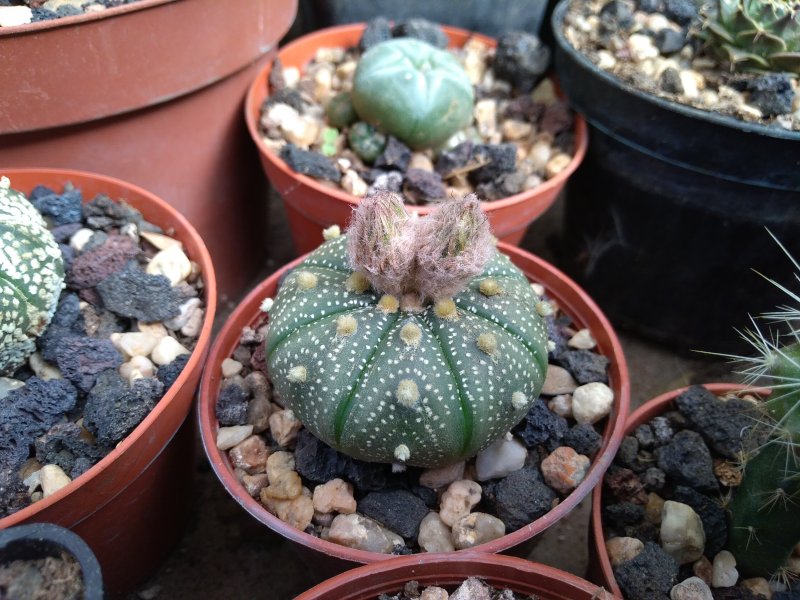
x=561 y=405
x=194 y=324
x=642 y=47
x=136 y=368
x=186 y=311
x=159 y=240
x=503 y=457
x=167 y=350
x=682 y=535
x=591 y=402
x=582 y=340
x=724 y=572
x=157 y=330
x=80 y=238
x=10 y=16
x=690 y=82
x=442 y=476
x=52 y=478
x=43 y=369
x=558 y=381
x=434 y=534
x=172 y=263
x=228 y=437
x=231 y=367
x=693 y=588
x=134 y=343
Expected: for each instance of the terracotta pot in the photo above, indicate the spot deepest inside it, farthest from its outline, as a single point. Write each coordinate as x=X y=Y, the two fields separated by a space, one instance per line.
x=518 y=575
x=332 y=558
x=311 y=206
x=130 y=506
x=599 y=564
x=151 y=92
x=42 y=540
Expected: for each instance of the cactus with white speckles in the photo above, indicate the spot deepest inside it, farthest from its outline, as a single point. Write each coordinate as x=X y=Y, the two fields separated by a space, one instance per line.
x=408 y=340
x=31 y=277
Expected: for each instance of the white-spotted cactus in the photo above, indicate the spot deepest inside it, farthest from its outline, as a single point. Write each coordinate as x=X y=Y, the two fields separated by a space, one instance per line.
x=31 y=277
x=408 y=340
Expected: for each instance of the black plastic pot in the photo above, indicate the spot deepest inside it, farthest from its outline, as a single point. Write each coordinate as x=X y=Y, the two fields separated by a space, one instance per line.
x=40 y=540
x=667 y=215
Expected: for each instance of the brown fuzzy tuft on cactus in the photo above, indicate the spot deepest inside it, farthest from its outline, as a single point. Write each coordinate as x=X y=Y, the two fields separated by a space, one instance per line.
x=31 y=277
x=392 y=337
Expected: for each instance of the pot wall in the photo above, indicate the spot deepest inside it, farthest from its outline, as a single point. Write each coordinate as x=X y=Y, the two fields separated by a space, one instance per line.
x=151 y=92
x=131 y=506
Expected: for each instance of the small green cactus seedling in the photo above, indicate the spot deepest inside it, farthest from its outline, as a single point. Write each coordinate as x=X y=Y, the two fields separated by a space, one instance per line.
x=755 y=35
x=366 y=141
x=414 y=91
x=765 y=512
x=408 y=340
x=31 y=277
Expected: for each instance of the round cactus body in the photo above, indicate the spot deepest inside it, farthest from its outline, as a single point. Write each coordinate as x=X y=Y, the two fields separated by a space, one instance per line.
x=423 y=385
x=31 y=277
x=414 y=91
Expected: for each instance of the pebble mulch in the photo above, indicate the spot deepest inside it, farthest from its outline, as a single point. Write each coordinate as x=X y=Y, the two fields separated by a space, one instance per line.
x=22 y=12
x=378 y=508
x=472 y=589
x=521 y=135
x=123 y=331
x=664 y=509
x=650 y=44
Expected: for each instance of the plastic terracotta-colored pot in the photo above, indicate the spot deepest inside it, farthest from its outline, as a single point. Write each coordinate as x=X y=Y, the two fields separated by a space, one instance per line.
x=450 y=570
x=599 y=563
x=42 y=540
x=312 y=206
x=329 y=558
x=151 y=92
x=131 y=506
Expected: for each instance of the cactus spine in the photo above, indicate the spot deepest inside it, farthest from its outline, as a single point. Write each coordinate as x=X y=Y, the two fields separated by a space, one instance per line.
x=395 y=353
x=765 y=513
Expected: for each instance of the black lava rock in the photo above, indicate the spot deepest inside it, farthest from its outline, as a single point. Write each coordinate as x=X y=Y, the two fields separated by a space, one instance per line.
x=310 y=163
x=81 y=359
x=428 y=496
x=585 y=366
x=520 y=498
x=455 y=158
x=654 y=479
x=396 y=155
x=42 y=14
x=645 y=436
x=377 y=30
x=316 y=461
x=421 y=29
x=521 y=59
x=367 y=476
x=67 y=321
x=499 y=159
x=628 y=454
x=59 y=209
x=79 y=467
x=232 y=405
x=104 y=213
x=687 y=461
x=391 y=181
x=139 y=295
x=399 y=510
x=711 y=514
x=167 y=374
x=502 y=187
x=622 y=514
x=772 y=94
x=683 y=12
x=791 y=594
x=583 y=438
x=285 y=95
x=540 y=425
x=616 y=15
x=670 y=81
x=67 y=10
x=64 y=444
x=63 y=233
x=662 y=430
x=649 y=575
x=422 y=185
x=668 y=41
x=724 y=425
x=13 y=494
x=114 y=409
x=651 y=6
x=741 y=593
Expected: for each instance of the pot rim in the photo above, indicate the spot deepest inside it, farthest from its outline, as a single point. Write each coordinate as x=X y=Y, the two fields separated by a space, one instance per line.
x=252 y=117
x=573 y=295
x=557 y=23
x=403 y=567
x=198 y=355
x=641 y=415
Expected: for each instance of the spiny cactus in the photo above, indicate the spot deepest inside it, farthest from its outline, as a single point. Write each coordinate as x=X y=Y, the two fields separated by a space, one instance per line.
x=31 y=277
x=755 y=35
x=414 y=91
x=408 y=340
x=765 y=512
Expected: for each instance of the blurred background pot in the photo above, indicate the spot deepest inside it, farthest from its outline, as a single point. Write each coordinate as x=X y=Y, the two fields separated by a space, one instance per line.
x=312 y=206
x=43 y=540
x=151 y=92
x=671 y=204
x=450 y=570
x=131 y=507
x=327 y=558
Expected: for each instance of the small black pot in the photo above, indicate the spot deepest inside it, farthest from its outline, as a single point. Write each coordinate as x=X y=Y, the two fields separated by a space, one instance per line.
x=40 y=540
x=667 y=214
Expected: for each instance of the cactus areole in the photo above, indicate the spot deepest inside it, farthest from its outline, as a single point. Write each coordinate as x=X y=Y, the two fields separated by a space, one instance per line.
x=414 y=91
x=31 y=277
x=408 y=340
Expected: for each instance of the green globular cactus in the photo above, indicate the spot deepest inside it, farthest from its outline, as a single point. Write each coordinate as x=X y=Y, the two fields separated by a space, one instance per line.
x=414 y=91
x=765 y=512
x=408 y=340
x=31 y=277
x=755 y=35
